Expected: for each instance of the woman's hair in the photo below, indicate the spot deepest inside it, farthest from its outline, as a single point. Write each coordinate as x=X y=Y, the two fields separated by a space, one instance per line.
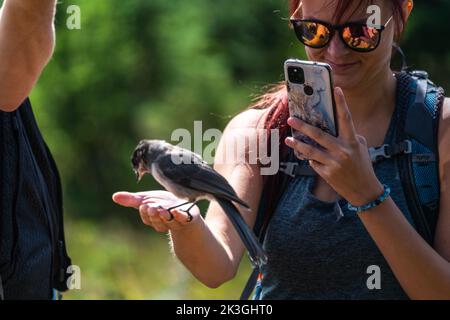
x=276 y=97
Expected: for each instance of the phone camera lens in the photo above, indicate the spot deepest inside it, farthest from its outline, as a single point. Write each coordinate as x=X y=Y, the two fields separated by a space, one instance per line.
x=296 y=75
x=308 y=90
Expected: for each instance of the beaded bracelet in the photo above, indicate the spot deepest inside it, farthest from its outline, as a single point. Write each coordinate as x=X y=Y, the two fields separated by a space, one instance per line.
x=372 y=204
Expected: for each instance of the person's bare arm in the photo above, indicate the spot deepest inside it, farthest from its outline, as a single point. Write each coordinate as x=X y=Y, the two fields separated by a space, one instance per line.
x=423 y=271
x=213 y=256
x=27 y=40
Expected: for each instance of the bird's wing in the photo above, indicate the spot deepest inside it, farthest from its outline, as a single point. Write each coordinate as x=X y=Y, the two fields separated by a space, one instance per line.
x=197 y=175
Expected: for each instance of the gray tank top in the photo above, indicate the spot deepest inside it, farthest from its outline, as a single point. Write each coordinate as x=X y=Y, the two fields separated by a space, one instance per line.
x=313 y=255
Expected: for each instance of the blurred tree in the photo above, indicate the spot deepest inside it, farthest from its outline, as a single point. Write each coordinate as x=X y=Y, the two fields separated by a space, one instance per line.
x=426 y=42
x=140 y=69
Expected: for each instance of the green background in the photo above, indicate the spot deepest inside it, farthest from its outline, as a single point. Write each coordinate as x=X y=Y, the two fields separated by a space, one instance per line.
x=142 y=68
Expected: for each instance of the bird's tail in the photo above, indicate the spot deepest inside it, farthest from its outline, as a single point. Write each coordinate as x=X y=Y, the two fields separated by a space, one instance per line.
x=255 y=250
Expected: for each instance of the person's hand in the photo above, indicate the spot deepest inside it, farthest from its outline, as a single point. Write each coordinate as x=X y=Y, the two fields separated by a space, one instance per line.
x=149 y=206
x=344 y=163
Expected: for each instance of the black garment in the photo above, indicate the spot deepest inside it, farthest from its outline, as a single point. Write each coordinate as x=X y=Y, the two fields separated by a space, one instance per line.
x=33 y=258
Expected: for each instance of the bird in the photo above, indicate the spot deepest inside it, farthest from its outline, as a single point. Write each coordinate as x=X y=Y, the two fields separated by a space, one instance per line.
x=187 y=176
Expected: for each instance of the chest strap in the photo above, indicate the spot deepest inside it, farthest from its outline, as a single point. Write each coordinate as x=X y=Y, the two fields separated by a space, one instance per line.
x=389 y=150
x=299 y=168
x=302 y=168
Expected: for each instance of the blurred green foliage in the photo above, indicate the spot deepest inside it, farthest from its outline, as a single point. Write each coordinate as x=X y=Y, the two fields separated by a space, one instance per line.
x=142 y=68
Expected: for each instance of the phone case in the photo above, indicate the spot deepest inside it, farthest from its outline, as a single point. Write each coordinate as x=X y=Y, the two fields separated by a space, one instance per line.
x=316 y=106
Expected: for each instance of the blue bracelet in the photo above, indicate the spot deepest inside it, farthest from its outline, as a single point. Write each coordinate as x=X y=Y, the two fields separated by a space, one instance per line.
x=372 y=204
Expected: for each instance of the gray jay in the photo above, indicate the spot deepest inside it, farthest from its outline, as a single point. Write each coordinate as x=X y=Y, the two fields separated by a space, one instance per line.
x=186 y=175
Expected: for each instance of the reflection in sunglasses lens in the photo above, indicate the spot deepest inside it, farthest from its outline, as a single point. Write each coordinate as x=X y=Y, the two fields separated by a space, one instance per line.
x=361 y=37
x=314 y=34
x=357 y=36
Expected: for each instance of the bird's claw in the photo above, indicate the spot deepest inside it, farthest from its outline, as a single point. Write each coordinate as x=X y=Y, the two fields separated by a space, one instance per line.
x=189 y=219
x=171 y=214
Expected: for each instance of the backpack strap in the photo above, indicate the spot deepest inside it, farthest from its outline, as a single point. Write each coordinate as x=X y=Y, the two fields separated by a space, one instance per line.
x=297 y=168
x=419 y=170
x=389 y=150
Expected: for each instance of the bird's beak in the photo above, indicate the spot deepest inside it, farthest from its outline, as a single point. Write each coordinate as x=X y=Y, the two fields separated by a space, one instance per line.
x=139 y=175
x=140 y=171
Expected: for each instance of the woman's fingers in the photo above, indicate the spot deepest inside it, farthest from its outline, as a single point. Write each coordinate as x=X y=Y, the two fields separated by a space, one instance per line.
x=180 y=218
x=160 y=219
x=135 y=199
x=308 y=151
x=128 y=199
x=143 y=213
x=151 y=204
x=323 y=138
x=345 y=122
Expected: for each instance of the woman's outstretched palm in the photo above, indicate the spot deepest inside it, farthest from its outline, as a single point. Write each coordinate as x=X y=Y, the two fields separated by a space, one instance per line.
x=151 y=204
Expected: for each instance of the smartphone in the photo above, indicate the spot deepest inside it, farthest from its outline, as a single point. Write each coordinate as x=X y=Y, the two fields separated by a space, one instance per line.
x=310 y=95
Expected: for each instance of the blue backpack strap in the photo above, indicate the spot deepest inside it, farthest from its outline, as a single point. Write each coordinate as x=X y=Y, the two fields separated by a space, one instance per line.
x=419 y=170
x=250 y=285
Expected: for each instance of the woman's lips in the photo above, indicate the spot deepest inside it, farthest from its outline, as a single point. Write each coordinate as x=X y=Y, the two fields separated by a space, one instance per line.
x=341 y=67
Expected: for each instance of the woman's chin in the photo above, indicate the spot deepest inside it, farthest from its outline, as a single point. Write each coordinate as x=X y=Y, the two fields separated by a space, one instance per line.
x=346 y=82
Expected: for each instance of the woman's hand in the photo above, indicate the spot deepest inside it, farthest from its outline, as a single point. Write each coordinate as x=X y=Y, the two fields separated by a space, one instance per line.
x=344 y=163
x=148 y=204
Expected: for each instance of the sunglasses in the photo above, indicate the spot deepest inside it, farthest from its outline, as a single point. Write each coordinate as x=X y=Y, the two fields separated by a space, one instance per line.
x=357 y=36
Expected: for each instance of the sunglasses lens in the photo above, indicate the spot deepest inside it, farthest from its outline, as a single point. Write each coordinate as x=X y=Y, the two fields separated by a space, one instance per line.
x=312 y=34
x=361 y=37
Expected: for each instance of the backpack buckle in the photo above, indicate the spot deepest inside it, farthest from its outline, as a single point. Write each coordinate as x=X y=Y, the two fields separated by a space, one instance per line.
x=387 y=151
x=421 y=74
x=378 y=152
x=408 y=146
x=288 y=168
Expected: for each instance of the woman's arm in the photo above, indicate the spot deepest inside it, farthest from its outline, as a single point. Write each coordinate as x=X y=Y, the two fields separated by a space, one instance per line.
x=215 y=253
x=423 y=271
x=442 y=239
x=26 y=44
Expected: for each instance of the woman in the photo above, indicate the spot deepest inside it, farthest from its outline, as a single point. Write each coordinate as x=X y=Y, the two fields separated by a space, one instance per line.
x=311 y=256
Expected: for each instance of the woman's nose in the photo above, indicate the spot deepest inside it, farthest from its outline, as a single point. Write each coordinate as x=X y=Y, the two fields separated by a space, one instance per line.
x=336 y=48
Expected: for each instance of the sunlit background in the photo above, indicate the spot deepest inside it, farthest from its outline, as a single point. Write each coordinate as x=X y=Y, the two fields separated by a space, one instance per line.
x=142 y=68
